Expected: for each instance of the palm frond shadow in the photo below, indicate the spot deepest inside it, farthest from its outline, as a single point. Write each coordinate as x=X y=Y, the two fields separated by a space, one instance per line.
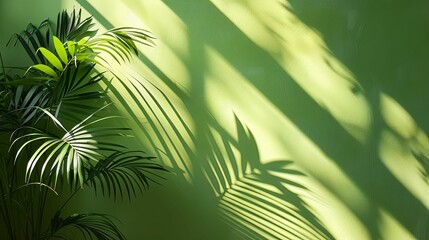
x=257 y=199
x=254 y=198
x=155 y=106
x=424 y=162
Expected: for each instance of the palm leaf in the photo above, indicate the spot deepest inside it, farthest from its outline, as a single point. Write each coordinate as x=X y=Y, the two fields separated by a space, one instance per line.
x=24 y=106
x=120 y=42
x=61 y=51
x=129 y=170
x=70 y=154
x=78 y=29
x=27 y=48
x=50 y=150
x=32 y=39
x=77 y=84
x=90 y=225
x=71 y=27
x=45 y=69
x=51 y=58
x=33 y=30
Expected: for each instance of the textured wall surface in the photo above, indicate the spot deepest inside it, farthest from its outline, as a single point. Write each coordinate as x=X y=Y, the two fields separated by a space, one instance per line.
x=278 y=119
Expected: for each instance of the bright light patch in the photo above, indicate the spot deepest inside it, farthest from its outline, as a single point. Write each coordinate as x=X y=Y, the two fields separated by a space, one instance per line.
x=171 y=44
x=302 y=53
x=278 y=138
x=398 y=158
x=396 y=117
x=389 y=227
x=399 y=144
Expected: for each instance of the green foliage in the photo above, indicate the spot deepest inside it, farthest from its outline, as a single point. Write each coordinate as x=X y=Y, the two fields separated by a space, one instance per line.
x=90 y=225
x=59 y=131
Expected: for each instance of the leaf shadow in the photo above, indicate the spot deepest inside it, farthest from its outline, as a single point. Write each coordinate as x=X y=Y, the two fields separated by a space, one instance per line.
x=257 y=198
x=254 y=198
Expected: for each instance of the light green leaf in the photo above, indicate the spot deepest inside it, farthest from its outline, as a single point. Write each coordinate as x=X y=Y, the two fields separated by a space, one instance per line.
x=59 y=162
x=37 y=155
x=51 y=58
x=61 y=51
x=72 y=47
x=46 y=69
x=83 y=41
x=55 y=151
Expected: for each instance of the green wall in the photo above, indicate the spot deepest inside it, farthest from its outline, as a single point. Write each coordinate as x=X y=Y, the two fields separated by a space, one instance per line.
x=279 y=120
x=15 y=16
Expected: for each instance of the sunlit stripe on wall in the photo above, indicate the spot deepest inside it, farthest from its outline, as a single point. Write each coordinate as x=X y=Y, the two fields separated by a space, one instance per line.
x=232 y=90
x=302 y=53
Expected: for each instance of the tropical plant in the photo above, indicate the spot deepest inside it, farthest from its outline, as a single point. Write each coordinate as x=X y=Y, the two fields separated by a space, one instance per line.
x=59 y=133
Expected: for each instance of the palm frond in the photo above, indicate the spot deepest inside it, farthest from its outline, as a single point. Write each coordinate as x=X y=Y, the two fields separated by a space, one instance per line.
x=71 y=27
x=23 y=104
x=70 y=154
x=129 y=170
x=90 y=225
x=33 y=38
x=423 y=159
x=46 y=149
x=120 y=42
x=78 y=88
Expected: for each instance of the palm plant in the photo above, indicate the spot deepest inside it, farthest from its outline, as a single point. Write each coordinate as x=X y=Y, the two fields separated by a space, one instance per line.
x=57 y=133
